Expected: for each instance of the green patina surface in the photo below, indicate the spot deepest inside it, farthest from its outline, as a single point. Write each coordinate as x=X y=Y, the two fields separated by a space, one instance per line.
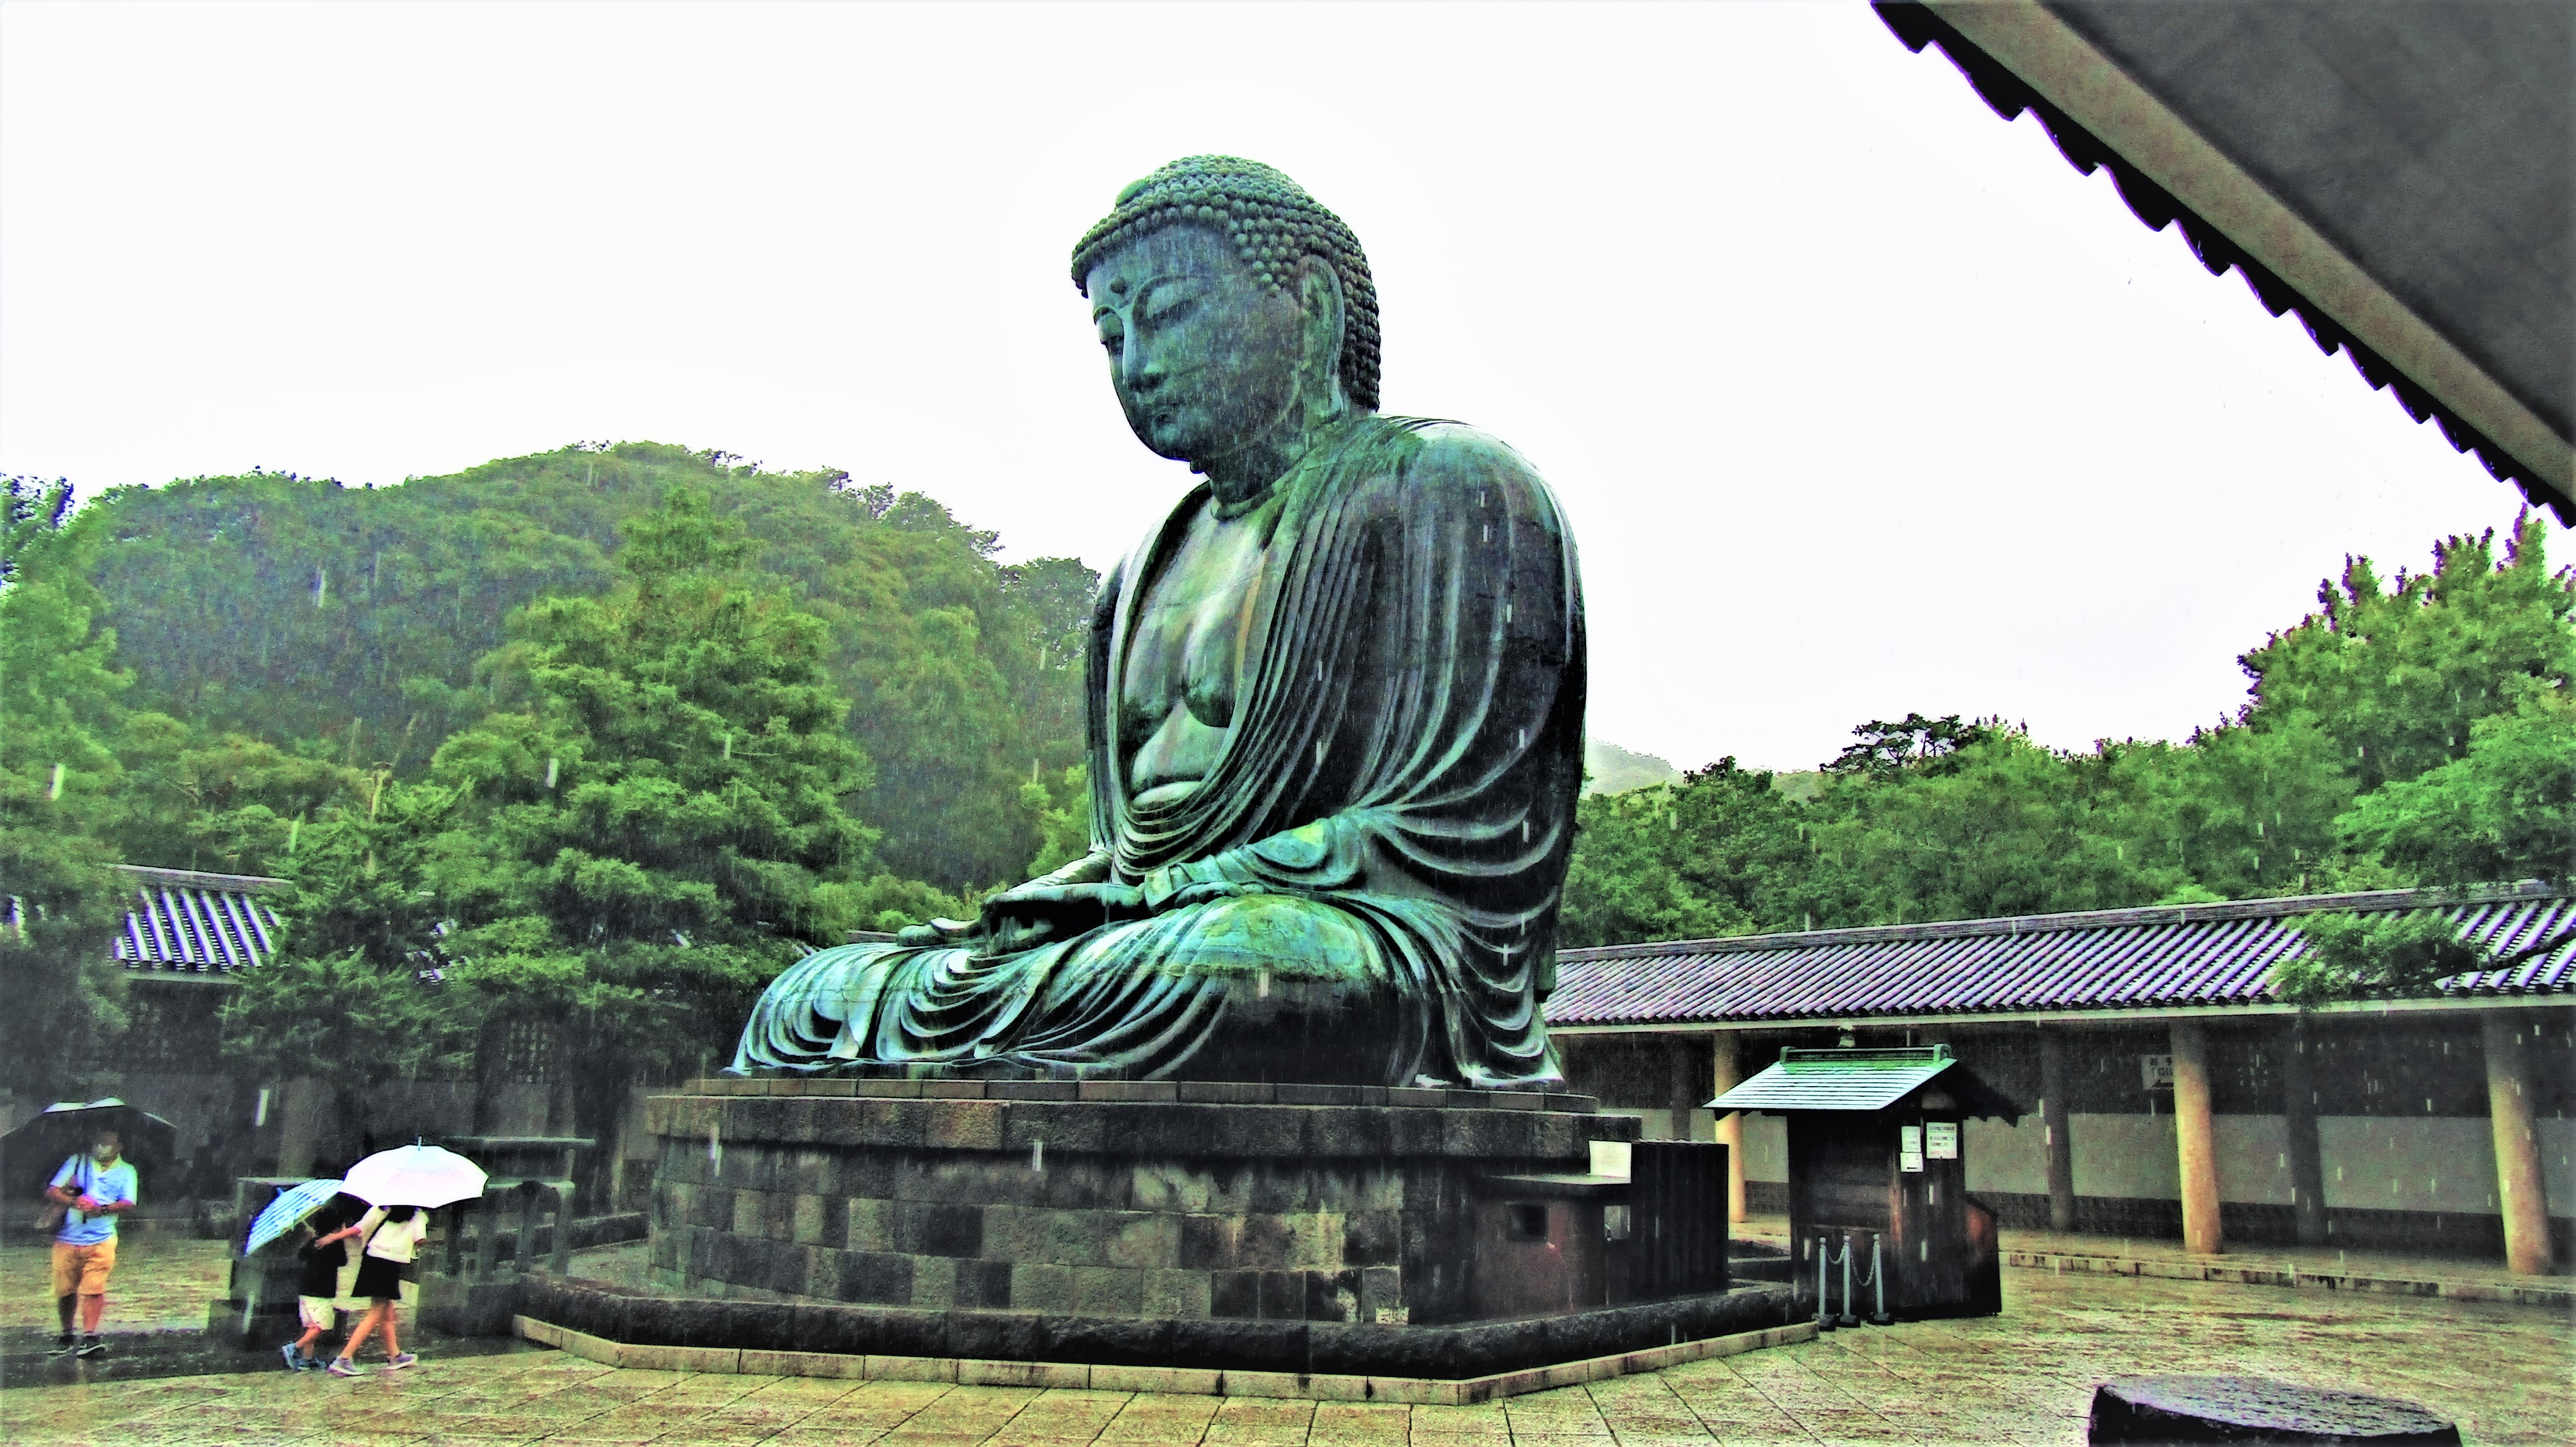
x=1334 y=714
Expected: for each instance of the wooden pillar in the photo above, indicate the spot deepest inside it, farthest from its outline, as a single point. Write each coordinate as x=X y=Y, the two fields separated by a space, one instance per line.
x=2053 y=1112
x=1725 y=1072
x=2194 y=1139
x=2520 y=1192
x=2299 y=1113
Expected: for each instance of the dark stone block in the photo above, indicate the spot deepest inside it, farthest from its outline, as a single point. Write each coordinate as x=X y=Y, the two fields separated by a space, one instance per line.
x=1281 y=1187
x=952 y=1090
x=1513 y=1100
x=1251 y=1346
x=1283 y=1295
x=875 y=1276
x=922 y=1228
x=1082 y=1184
x=984 y=1284
x=1383 y=1351
x=1372 y=1238
x=1210 y=1243
x=1235 y=1294
x=1318 y=1094
x=1356 y=1131
x=1030 y=1090
x=1144 y=1090
x=871 y=1174
x=1414 y=1133
x=1332 y=1295
x=890 y=1089
x=1227 y=1092
x=2179 y=1408
x=899 y=1123
x=1500 y=1346
x=1573 y=1104
x=1068 y=1126
x=1007 y=1336
x=755 y=1118
x=1106 y=1341
x=970 y=1125
x=1582 y=1336
x=1265 y=1241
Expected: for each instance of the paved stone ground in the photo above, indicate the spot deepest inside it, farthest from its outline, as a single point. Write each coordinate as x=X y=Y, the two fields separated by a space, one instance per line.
x=162 y=1281
x=2503 y=1372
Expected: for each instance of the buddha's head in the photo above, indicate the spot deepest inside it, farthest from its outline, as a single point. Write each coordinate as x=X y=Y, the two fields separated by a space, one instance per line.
x=1235 y=310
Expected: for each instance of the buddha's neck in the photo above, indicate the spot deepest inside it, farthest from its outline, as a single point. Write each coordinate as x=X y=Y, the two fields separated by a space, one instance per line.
x=1241 y=478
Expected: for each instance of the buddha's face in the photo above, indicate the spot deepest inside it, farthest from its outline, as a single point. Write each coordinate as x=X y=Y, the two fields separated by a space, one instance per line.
x=1207 y=361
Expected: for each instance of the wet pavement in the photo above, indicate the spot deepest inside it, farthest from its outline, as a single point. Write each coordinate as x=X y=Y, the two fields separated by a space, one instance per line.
x=2503 y=1372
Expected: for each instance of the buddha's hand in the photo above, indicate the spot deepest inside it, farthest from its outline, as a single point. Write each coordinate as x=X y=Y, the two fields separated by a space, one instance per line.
x=1038 y=912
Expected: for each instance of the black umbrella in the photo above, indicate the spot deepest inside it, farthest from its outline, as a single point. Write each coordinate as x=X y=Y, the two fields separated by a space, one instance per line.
x=31 y=1154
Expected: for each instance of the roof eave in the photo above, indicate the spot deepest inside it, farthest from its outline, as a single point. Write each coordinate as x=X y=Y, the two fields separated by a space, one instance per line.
x=2230 y=219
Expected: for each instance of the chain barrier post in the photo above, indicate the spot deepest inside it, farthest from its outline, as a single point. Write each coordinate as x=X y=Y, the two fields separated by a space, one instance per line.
x=1824 y=1302
x=1878 y=1279
x=1848 y=1317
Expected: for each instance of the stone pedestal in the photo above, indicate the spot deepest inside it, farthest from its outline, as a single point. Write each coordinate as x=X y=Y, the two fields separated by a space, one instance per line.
x=1103 y=1199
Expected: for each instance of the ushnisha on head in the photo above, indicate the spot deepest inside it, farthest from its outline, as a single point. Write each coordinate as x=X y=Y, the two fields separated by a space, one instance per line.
x=1238 y=315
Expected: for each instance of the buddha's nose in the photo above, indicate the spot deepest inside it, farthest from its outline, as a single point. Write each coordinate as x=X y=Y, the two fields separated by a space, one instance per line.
x=1139 y=368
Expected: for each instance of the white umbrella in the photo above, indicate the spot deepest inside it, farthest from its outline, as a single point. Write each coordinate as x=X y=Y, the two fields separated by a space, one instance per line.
x=414 y=1175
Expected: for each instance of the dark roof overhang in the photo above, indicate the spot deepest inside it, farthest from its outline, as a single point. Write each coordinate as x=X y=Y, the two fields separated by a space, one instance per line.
x=2399 y=175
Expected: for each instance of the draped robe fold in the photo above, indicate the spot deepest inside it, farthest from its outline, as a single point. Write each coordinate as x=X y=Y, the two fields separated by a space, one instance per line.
x=1364 y=889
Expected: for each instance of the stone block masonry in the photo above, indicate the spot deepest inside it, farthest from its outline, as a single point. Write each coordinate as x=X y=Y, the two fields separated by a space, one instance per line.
x=1249 y=1202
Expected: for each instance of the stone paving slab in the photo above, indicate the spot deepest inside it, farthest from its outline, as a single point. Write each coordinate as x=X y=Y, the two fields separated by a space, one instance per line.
x=2320 y=1268
x=2503 y=1372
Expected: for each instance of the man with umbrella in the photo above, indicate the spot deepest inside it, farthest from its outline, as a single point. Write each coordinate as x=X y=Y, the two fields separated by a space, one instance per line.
x=93 y=1190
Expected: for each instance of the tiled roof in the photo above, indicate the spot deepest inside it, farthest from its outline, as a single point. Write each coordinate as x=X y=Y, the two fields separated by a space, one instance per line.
x=2164 y=957
x=1837 y=1079
x=188 y=923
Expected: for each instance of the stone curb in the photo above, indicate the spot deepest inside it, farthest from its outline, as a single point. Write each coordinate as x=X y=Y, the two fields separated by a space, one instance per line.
x=1410 y=1391
x=2557 y=1298
x=1254 y=1092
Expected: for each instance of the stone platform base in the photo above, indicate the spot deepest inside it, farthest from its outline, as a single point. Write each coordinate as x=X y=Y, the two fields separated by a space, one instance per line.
x=1210 y=1201
x=1446 y=1366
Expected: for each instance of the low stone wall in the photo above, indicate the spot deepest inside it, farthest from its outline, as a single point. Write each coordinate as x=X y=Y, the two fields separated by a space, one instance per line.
x=1108 y=1199
x=1296 y=1348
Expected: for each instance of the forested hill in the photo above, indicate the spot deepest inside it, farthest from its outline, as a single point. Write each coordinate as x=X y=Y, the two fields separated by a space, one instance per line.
x=294 y=610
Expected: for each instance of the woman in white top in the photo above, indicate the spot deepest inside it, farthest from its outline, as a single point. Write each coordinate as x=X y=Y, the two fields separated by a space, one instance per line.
x=393 y=1235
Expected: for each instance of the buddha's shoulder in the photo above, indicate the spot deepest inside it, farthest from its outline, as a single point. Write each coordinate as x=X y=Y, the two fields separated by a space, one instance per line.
x=1451 y=458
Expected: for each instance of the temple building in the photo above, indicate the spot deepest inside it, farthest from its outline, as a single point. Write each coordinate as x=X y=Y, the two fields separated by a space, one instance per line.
x=2172 y=1094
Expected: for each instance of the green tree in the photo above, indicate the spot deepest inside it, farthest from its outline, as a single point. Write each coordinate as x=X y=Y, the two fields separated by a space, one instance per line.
x=626 y=850
x=2398 y=674
x=2505 y=810
x=60 y=901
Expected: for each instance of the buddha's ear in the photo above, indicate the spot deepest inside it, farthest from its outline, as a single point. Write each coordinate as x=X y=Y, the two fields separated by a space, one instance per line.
x=1319 y=295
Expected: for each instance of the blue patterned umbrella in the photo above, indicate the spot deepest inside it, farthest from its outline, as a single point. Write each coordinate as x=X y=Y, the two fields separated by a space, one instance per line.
x=288 y=1211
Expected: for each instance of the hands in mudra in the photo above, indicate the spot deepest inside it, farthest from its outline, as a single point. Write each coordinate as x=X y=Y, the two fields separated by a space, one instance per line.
x=1069 y=902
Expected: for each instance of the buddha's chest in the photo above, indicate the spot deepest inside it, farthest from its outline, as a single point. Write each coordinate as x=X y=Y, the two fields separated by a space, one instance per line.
x=1189 y=635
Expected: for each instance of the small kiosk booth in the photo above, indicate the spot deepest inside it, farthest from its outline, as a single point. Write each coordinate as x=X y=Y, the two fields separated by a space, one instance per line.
x=1878 y=1180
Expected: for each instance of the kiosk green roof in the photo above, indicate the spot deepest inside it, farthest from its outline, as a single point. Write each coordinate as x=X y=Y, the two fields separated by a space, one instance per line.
x=1862 y=1080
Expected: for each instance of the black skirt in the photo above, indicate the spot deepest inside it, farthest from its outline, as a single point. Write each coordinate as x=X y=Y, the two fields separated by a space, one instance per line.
x=378 y=1279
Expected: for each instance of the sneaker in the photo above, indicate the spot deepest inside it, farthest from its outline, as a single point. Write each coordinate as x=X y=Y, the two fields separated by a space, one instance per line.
x=395 y=1364
x=93 y=1346
x=64 y=1345
x=341 y=1367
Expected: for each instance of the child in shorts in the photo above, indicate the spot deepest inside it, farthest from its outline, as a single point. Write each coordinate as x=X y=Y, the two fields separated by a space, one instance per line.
x=317 y=1281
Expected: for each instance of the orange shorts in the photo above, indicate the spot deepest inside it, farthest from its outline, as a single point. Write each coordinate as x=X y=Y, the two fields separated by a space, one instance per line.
x=82 y=1270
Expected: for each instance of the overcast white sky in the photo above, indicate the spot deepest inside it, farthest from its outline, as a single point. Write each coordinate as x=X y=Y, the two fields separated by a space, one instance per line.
x=1860 y=399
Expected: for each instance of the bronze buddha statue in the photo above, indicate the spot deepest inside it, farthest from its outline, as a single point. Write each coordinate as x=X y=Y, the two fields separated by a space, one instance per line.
x=1335 y=717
